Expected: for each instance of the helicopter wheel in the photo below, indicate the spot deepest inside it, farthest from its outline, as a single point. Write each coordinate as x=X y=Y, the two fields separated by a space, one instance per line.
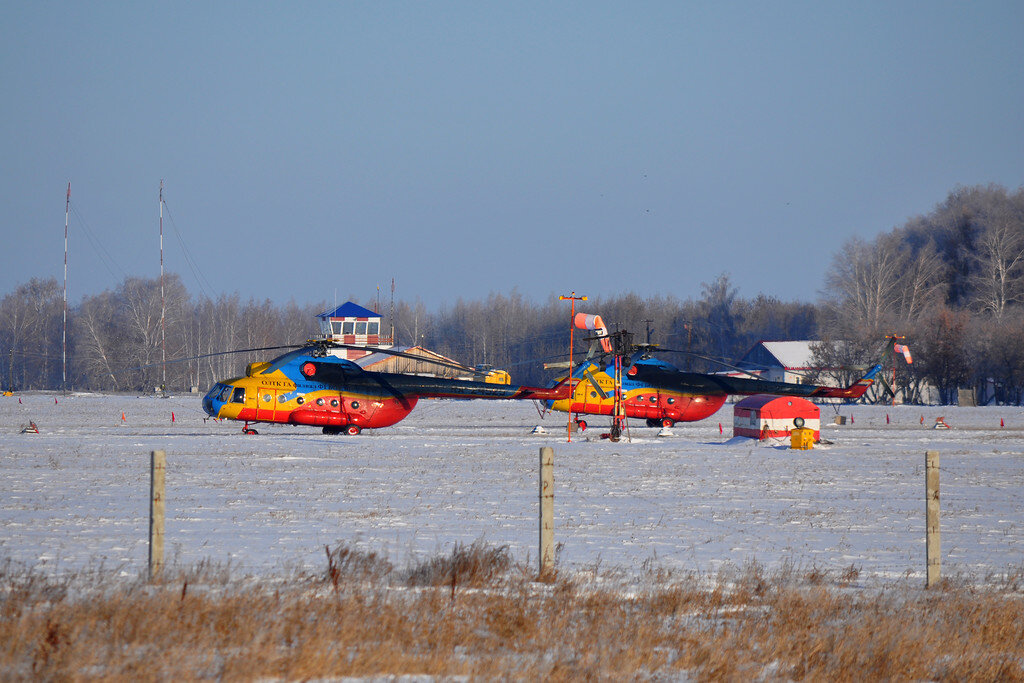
x=249 y=430
x=582 y=424
x=616 y=433
x=353 y=430
x=667 y=423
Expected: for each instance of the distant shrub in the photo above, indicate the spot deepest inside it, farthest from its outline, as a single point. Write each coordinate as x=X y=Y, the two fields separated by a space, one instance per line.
x=474 y=565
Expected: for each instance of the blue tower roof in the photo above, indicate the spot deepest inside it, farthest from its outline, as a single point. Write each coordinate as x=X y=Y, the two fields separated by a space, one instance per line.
x=349 y=310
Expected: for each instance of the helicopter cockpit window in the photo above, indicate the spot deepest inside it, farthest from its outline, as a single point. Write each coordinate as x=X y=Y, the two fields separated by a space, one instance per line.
x=224 y=394
x=239 y=395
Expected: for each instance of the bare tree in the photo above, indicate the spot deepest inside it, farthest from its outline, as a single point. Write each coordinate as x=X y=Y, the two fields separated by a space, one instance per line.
x=30 y=332
x=98 y=346
x=998 y=263
x=943 y=351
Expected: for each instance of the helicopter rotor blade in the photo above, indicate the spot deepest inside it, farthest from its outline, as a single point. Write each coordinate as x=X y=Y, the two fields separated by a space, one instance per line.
x=714 y=360
x=404 y=354
x=593 y=382
x=206 y=355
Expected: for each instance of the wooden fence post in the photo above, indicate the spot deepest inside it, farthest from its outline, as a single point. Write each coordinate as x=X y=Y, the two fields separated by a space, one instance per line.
x=546 y=551
x=157 y=507
x=932 y=542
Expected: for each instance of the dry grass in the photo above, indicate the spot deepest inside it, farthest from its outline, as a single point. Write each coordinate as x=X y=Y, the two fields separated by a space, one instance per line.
x=475 y=613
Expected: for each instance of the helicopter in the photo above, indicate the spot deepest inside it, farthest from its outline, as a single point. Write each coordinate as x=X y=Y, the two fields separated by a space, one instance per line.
x=627 y=381
x=309 y=386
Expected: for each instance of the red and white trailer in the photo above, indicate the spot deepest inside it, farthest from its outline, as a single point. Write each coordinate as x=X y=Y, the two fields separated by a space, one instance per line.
x=764 y=416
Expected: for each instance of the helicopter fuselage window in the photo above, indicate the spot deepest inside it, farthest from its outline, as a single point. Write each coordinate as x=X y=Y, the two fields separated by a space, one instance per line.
x=239 y=395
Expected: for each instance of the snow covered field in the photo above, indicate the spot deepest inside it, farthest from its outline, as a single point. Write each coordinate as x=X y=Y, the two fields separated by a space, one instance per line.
x=76 y=495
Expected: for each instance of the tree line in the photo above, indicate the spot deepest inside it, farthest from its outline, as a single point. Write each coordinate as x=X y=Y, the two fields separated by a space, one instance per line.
x=949 y=284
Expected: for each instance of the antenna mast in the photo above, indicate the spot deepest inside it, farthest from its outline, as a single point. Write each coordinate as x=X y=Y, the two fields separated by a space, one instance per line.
x=163 y=305
x=393 y=312
x=572 y=299
x=64 y=329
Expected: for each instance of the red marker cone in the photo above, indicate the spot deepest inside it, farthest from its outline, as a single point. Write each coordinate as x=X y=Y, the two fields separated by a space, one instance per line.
x=851 y=419
x=1000 y=422
x=172 y=417
x=123 y=419
x=922 y=419
x=54 y=401
x=887 y=418
x=720 y=428
x=19 y=400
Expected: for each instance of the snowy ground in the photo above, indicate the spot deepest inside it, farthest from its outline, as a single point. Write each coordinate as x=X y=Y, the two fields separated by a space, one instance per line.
x=76 y=495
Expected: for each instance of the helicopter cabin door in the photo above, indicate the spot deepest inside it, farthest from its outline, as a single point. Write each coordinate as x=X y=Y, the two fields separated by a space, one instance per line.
x=266 y=404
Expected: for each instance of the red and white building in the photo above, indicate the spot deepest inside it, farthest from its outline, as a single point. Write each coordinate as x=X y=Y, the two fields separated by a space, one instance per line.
x=764 y=416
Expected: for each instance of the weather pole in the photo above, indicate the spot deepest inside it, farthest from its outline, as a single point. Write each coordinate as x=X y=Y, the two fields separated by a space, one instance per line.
x=572 y=298
x=64 y=329
x=163 y=305
x=895 y=340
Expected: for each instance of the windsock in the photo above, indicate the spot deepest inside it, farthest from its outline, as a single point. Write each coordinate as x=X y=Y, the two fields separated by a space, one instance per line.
x=584 y=321
x=905 y=350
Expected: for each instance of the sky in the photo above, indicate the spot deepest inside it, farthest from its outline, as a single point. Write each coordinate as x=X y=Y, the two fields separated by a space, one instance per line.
x=313 y=151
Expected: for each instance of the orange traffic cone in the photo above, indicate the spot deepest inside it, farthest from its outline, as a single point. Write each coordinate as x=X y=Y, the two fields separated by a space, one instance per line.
x=922 y=419
x=123 y=418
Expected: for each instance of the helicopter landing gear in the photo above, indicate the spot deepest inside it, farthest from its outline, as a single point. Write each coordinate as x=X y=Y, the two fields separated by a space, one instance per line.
x=248 y=430
x=351 y=430
x=664 y=422
x=615 y=434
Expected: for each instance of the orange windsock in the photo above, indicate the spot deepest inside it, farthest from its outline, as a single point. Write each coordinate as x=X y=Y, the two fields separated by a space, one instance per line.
x=584 y=321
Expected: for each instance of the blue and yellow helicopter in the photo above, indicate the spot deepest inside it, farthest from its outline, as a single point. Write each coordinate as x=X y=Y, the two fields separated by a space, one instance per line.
x=309 y=386
x=624 y=380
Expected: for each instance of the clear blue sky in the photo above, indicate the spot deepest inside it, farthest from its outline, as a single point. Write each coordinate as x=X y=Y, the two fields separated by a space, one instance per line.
x=321 y=148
